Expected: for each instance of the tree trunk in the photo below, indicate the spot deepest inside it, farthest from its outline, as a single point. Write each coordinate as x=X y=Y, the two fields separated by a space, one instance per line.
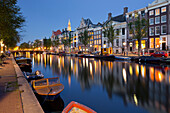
x=139 y=47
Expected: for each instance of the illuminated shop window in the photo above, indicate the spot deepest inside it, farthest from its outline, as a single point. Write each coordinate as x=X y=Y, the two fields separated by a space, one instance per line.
x=157 y=12
x=151 y=43
x=163 y=9
x=157 y=44
x=143 y=44
x=136 y=43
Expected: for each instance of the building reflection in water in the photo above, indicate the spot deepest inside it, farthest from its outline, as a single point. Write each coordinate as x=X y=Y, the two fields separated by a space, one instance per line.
x=144 y=85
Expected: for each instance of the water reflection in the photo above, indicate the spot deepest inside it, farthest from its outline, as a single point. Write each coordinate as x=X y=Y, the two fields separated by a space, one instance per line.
x=144 y=85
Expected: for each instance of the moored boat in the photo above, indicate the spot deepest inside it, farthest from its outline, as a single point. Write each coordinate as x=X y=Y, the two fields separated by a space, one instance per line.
x=75 y=107
x=48 y=88
x=33 y=76
x=23 y=60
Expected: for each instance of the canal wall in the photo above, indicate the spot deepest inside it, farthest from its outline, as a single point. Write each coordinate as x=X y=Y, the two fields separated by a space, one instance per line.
x=28 y=99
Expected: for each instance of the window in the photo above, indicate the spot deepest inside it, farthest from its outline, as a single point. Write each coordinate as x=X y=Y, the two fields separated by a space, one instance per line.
x=143 y=13
x=157 y=12
x=151 y=13
x=105 y=49
x=157 y=20
x=136 y=43
x=163 y=19
x=99 y=41
x=117 y=31
x=163 y=9
x=151 y=43
x=117 y=42
x=104 y=42
x=151 y=31
x=123 y=31
x=130 y=16
x=151 y=21
x=157 y=30
x=136 y=15
x=163 y=29
x=157 y=44
x=143 y=44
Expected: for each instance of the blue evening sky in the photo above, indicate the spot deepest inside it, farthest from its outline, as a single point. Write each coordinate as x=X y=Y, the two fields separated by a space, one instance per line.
x=44 y=16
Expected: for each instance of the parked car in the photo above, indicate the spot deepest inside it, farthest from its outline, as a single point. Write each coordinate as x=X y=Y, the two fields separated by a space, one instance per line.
x=159 y=54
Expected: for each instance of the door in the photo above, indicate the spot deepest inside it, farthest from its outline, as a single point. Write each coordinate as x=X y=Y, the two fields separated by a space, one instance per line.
x=163 y=46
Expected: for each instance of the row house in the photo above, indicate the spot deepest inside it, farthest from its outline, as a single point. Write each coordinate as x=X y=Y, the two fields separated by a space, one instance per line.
x=132 y=44
x=158 y=15
x=120 y=26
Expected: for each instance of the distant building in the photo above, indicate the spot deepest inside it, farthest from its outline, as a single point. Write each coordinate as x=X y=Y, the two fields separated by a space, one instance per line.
x=159 y=26
x=120 y=26
x=132 y=44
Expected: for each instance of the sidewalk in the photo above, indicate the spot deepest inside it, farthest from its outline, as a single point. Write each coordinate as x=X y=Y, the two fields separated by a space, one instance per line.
x=16 y=95
x=10 y=99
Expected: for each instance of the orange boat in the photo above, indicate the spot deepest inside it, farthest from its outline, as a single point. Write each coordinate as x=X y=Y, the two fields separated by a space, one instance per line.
x=48 y=87
x=75 y=107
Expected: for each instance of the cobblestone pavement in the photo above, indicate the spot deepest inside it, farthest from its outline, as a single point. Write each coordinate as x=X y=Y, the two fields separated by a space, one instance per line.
x=10 y=99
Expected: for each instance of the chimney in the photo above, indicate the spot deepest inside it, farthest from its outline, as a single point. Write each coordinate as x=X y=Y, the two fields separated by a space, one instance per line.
x=109 y=16
x=62 y=30
x=125 y=10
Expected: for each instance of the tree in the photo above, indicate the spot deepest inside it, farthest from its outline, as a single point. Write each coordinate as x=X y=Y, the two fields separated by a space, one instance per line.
x=139 y=30
x=24 y=45
x=109 y=32
x=84 y=38
x=65 y=42
x=37 y=43
x=56 y=42
x=11 y=22
x=47 y=43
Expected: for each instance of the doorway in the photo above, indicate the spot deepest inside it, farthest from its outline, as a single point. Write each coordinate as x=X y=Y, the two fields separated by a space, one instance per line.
x=163 y=46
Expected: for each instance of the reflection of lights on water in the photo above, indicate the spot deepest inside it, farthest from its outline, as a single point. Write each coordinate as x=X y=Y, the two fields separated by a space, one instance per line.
x=137 y=70
x=135 y=99
x=38 y=56
x=63 y=61
x=95 y=65
x=159 y=76
x=41 y=60
x=45 y=60
x=143 y=71
x=33 y=61
x=87 y=62
x=69 y=80
x=152 y=73
x=169 y=79
x=124 y=75
x=59 y=61
x=71 y=64
x=51 y=60
x=130 y=70
x=83 y=62
x=91 y=69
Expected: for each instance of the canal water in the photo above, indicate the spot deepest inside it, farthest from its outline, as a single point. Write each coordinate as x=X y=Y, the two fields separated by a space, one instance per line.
x=107 y=86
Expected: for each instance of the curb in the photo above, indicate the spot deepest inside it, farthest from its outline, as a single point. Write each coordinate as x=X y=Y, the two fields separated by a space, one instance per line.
x=29 y=101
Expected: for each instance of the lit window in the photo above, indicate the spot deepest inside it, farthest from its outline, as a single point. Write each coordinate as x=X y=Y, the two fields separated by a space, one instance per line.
x=151 y=13
x=143 y=44
x=151 y=31
x=136 y=43
x=99 y=41
x=136 y=15
x=151 y=43
x=157 y=30
x=157 y=12
x=151 y=21
x=157 y=20
x=163 y=9
x=163 y=19
x=163 y=29
x=157 y=44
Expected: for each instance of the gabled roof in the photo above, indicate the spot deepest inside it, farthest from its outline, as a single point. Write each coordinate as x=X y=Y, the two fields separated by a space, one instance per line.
x=58 y=32
x=88 y=21
x=119 y=18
